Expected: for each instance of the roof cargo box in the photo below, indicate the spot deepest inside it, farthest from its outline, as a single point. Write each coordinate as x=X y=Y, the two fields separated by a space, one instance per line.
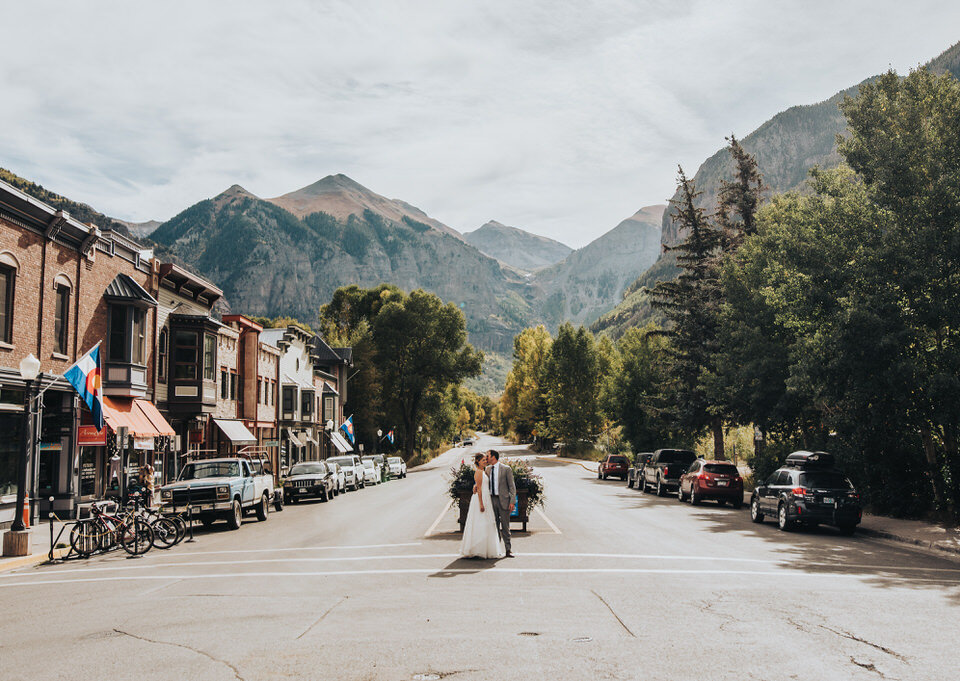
x=803 y=459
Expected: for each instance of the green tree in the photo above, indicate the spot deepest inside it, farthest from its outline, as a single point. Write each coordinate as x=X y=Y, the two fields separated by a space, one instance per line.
x=421 y=346
x=523 y=405
x=691 y=303
x=571 y=385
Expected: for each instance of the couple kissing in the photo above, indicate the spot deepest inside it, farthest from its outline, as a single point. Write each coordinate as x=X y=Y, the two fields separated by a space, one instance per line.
x=486 y=533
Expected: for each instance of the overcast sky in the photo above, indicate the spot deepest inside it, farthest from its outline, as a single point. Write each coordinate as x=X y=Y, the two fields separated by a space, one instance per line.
x=559 y=117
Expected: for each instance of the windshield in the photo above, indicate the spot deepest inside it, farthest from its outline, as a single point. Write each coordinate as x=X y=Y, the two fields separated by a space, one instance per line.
x=825 y=480
x=342 y=460
x=210 y=469
x=368 y=464
x=307 y=468
x=677 y=456
x=394 y=459
x=721 y=469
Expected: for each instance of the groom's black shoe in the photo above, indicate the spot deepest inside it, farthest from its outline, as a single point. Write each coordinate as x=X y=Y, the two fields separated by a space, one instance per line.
x=509 y=555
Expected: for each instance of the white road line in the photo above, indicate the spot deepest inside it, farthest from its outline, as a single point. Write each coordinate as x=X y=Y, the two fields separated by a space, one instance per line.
x=305 y=548
x=439 y=517
x=486 y=572
x=414 y=556
x=556 y=530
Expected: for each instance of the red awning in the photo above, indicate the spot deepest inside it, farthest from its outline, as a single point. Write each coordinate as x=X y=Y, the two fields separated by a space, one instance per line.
x=139 y=416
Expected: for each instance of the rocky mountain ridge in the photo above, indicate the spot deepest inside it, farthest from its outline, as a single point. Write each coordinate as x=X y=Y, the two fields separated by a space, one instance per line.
x=517 y=247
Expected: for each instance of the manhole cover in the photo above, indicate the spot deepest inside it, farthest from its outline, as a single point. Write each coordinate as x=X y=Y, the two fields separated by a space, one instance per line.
x=426 y=677
x=583 y=639
x=529 y=633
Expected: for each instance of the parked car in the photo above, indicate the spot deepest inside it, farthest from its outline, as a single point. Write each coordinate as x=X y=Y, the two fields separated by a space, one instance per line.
x=223 y=488
x=664 y=469
x=339 y=477
x=308 y=479
x=468 y=442
x=397 y=466
x=717 y=480
x=633 y=473
x=371 y=472
x=613 y=464
x=808 y=490
x=352 y=470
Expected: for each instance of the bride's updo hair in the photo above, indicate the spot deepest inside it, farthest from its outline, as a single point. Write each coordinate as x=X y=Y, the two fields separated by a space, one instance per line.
x=477 y=458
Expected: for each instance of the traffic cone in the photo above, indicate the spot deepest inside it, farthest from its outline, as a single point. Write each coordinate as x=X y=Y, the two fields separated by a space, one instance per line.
x=26 y=515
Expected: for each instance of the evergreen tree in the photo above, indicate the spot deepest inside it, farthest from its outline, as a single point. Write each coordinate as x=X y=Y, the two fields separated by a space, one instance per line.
x=571 y=386
x=691 y=304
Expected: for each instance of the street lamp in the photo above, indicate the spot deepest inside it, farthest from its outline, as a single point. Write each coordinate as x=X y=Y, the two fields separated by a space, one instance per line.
x=29 y=369
x=376 y=445
x=420 y=440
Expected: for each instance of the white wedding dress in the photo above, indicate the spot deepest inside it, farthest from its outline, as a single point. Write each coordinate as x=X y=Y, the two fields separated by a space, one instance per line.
x=480 y=536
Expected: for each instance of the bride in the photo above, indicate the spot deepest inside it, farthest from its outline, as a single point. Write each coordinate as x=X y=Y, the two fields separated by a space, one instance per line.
x=480 y=536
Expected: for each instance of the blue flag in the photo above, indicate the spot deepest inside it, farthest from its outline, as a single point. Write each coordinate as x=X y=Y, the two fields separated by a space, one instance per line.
x=85 y=377
x=347 y=428
x=390 y=435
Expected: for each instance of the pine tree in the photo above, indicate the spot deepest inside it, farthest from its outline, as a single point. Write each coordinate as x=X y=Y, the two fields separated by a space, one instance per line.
x=738 y=200
x=691 y=303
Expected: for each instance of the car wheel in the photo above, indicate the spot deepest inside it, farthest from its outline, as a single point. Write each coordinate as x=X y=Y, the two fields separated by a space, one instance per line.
x=277 y=502
x=756 y=515
x=694 y=496
x=783 y=520
x=661 y=490
x=629 y=482
x=737 y=503
x=643 y=486
x=324 y=496
x=680 y=495
x=263 y=508
x=235 y=518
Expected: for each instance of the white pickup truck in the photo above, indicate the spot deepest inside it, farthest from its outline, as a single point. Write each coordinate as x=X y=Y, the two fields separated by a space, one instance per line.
x=221 y=488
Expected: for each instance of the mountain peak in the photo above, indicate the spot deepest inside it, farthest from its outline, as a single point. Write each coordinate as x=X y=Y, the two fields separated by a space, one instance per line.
x=517 y=247
x=342 y=196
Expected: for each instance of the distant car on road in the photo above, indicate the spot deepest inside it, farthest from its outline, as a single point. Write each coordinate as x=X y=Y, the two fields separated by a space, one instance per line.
x=339 y=476
x=664 y=469
x=614 y=464
x=808 y=490
x=717 y=480
x=308 y=479
x=352 y=470
x=397 y=466
x=371 y=472
x=633 y=473
x=468 y=442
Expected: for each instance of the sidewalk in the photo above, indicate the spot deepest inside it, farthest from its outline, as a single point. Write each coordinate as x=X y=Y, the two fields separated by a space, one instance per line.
x=39 y=547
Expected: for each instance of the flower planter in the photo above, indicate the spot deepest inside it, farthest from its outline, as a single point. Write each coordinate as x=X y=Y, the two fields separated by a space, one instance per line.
x=520 y=513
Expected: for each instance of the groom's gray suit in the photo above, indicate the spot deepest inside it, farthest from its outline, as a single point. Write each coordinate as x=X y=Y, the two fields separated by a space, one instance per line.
x=503 y=491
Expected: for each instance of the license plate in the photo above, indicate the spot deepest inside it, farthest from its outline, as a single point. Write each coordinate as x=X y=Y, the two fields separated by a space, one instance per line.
x=828 y=500
x=302 y=490
x=723 y=483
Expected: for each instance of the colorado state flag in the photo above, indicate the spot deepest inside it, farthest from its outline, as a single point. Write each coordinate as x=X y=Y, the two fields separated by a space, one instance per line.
x=347 y=428
x=390 y=435
x=84 y=376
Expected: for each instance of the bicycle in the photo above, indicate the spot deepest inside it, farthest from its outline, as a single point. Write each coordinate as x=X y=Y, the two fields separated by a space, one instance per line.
x=168 y=530
x=129 y=529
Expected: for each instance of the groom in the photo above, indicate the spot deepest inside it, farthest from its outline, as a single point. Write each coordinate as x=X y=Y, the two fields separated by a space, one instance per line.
x=503 y=491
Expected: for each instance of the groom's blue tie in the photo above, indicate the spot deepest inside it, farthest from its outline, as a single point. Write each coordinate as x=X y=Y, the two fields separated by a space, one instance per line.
x=492 y=474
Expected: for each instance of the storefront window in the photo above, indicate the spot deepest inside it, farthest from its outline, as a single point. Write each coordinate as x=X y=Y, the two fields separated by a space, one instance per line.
x=10 y=425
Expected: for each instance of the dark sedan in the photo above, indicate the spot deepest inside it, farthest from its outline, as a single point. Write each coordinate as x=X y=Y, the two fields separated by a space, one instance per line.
x=309 y=479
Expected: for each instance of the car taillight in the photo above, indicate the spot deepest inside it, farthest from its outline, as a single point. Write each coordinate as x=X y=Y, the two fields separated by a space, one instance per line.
x=799 y=492
x=666 y=470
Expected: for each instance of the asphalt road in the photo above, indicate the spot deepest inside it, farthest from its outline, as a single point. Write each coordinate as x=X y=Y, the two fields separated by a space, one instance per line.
x=610 y=583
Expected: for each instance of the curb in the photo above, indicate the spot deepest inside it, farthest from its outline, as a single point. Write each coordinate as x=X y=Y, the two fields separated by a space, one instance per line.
x=7 y=564
x=900 y=539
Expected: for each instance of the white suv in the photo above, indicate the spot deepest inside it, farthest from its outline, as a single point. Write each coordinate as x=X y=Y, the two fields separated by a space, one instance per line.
x=352 y=470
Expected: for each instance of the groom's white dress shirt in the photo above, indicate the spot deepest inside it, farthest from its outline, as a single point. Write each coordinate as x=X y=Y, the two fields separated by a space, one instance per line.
x=496 y=478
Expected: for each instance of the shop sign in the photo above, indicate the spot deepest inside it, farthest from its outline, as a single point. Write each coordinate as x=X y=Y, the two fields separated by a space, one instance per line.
x=88 y=435
x=196 y=437
x=50 y=446
x=145 y=442
x=271 y=443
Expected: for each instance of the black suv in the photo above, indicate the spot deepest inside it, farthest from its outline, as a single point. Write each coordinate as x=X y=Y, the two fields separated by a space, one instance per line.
x=636 y=470
x=808 y=490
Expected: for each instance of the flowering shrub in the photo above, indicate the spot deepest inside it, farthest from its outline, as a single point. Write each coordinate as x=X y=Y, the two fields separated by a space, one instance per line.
x=461 y=480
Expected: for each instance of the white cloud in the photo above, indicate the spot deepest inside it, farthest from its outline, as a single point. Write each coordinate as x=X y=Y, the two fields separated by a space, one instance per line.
x=562 y=118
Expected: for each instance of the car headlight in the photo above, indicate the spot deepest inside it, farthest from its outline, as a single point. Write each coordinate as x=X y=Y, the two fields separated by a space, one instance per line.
x=166 y=494
x=223 y=492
